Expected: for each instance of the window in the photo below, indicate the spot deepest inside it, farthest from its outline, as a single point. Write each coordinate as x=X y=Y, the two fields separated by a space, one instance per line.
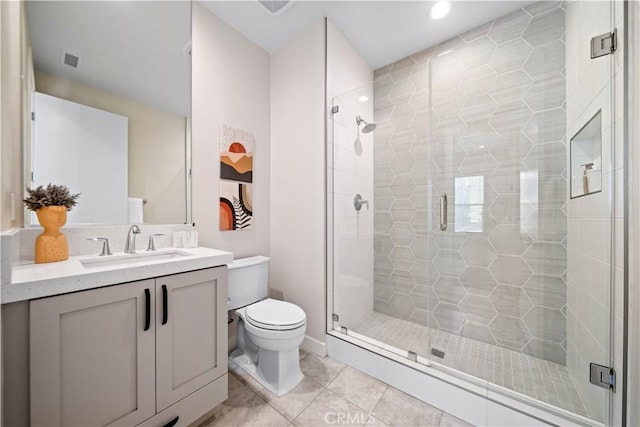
x=469 y=203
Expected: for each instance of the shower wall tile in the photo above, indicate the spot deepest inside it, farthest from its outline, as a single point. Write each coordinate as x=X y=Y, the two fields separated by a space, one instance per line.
x=545 y=28
x=478 y=309
x=545 y=93
x=478 y=281
x=547 y=291
x=540 y=7
x=511 y=86
x=402 y=305
x=449 y=317
x=402 y=281
x=510 y=301
x=488 y=104
x=510 y=26
x=510 y=332
x=510 y=270
x=546 y=60
x=510 y=56
x=546 y=323
x=449 y=289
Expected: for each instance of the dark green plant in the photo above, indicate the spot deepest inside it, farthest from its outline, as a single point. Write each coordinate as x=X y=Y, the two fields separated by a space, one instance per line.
x=52 y=195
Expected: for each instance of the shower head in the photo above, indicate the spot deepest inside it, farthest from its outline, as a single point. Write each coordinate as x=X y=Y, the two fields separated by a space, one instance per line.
x=368 y=127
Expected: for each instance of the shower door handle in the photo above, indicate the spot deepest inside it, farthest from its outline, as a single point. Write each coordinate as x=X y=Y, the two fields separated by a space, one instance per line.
x=443 y=212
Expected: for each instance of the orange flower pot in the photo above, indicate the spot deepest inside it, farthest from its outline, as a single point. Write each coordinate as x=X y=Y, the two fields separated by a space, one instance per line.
x=51 y=245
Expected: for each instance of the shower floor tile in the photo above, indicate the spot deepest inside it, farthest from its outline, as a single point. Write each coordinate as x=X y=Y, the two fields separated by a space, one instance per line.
x=540 y=379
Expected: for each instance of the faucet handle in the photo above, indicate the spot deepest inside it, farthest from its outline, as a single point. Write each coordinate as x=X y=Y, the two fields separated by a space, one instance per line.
x=151 y=246
x=105 y=245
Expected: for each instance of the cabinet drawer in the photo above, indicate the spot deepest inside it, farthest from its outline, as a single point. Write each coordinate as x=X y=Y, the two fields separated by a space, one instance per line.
x=194 y=406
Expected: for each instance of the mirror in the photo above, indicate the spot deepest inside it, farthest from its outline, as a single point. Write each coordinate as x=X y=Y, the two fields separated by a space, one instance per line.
x=130 y=59
x=586 y=158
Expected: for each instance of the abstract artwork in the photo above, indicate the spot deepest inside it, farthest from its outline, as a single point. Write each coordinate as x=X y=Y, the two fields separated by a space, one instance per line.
x=236 y=178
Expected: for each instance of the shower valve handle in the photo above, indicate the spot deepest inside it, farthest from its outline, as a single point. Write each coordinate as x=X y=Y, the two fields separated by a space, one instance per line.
x=358 y=201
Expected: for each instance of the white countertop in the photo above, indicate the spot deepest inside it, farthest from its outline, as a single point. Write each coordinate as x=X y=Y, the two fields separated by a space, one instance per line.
x=30 y=281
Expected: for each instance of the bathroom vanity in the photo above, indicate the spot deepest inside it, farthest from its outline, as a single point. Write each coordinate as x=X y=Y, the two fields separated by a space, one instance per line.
x=124 y=340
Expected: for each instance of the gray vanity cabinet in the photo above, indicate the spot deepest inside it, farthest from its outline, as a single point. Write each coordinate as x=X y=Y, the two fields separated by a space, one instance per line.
x=152 y=351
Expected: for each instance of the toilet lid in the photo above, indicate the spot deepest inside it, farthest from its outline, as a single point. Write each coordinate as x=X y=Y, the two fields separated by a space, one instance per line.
x=275 y=315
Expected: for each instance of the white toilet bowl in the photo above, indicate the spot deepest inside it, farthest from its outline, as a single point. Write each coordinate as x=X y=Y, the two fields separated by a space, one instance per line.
x=269 y=335
x=269 y=331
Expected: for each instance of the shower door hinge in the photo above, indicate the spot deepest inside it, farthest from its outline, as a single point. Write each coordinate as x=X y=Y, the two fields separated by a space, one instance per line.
x=33 y=115
x=335 y=317
x=602 y=376
x=604 y=44
x=335 y=109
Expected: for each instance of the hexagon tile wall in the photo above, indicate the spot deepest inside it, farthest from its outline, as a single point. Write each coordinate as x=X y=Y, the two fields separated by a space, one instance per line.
x=497 y=118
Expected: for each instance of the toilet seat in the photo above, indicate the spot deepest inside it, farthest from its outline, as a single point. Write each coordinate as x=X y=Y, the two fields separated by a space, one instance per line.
x=275 y=315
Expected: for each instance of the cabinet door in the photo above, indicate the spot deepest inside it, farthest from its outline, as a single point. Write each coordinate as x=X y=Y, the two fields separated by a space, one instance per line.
x=92 y=362
x=191 y=332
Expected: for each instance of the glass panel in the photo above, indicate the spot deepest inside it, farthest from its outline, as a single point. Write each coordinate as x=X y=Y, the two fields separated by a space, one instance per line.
x=380 y=258
x=522 y=289
x=352 y=209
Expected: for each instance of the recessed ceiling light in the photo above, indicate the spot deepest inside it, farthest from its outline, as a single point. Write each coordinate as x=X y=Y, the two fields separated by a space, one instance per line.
x=363 y=98
x=440 y=9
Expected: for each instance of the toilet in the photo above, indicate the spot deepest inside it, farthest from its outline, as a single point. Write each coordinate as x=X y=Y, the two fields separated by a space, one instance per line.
x=269 y=331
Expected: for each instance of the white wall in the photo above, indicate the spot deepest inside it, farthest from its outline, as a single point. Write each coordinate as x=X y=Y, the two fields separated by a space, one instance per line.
x=298 y=177
x=349 y=171
x=231 y=79
x=592 y=255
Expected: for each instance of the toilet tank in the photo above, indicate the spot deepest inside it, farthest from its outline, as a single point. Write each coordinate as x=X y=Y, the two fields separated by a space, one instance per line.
x=248 y=281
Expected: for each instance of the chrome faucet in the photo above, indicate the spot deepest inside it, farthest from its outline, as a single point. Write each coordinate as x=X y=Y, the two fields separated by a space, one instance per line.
x=130 y=245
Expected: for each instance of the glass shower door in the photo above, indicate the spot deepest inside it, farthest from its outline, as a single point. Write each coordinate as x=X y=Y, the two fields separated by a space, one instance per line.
x=524 y=271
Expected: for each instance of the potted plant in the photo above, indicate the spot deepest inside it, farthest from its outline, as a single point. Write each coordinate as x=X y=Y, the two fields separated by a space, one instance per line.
x=51 y=204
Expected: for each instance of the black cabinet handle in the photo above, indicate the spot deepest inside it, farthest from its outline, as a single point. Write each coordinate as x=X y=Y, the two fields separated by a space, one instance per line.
x=147 y=309
x=165 y=312
x=172 y=422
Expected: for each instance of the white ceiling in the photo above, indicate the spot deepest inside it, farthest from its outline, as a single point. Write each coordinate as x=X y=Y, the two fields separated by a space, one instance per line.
x=132 y=49
x=382 y=31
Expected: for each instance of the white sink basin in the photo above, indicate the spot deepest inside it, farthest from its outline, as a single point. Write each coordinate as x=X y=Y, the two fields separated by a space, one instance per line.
x=128 y=259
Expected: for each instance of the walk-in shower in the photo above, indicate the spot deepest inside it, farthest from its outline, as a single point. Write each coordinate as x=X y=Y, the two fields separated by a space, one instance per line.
x=473 y=258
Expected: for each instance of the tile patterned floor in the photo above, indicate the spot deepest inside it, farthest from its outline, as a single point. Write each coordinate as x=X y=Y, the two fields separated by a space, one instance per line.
x=540 y=379
x=329 y=394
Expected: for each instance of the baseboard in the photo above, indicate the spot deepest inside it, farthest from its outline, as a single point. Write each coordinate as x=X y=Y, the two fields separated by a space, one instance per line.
x=314 y=346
